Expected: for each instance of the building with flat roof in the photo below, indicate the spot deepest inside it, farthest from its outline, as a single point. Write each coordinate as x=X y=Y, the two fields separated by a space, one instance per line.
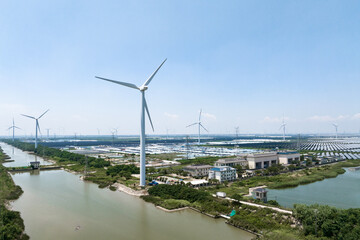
x=231 y=162
x=260 y=193
x=262 y=160
x=198 y=170
x=288 y=157
x=223 y=173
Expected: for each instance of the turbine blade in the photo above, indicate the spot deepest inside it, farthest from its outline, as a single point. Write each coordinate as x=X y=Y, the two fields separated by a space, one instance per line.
x=203 y=127
x=200 y=115
x=28 y=116
x=44 y=113
x=9 y=128
x=148 y=113
x=130 y=85
x=192 y=124
x=38 y=126
x=152 y=75
x=17 y=127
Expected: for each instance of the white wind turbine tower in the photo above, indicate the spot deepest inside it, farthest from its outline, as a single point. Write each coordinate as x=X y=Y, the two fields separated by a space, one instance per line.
x=37 y=126
x=199 y=126
x=144 y=107
x=237 y=132
x=13 y=130
x=283 y=126
x=336 y=129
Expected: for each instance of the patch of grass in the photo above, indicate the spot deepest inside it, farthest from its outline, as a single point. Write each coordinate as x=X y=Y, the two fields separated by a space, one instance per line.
x=11 y=224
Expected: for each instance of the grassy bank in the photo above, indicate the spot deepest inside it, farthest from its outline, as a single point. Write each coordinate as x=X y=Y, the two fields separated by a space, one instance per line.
x=257 y=220
x=11 y=224
x=99 y=170
x=285 y=180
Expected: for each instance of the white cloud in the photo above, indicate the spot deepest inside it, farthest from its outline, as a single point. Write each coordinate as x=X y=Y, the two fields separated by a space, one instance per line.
x=321 y=118
x=171 y=115
x=268 y=119
x=209 y=116
x=11 y=107
x=327 y=118
x=356 y=116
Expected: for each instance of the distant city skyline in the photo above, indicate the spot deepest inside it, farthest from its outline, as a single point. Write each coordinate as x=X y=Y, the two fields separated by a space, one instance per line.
x=245 y=63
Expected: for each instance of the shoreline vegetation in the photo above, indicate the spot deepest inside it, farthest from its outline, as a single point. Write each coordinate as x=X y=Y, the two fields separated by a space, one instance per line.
x=11 y=224
x=266 y=223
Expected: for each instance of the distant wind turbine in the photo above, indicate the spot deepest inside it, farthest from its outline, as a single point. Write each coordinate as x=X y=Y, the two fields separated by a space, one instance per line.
x=283 y=126
x=144 y=107
x=13 y=129
x=336 y=129
x=237 y=131
x=37 y=126
x=199 y=126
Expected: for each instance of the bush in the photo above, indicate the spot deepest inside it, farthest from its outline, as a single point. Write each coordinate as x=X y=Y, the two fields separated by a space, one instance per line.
x=179 y=192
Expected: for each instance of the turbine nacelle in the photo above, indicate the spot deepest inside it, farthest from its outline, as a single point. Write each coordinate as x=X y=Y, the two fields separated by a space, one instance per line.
x=143 y=88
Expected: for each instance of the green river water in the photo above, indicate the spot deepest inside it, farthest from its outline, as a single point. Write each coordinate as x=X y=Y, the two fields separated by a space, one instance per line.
x=58 y=205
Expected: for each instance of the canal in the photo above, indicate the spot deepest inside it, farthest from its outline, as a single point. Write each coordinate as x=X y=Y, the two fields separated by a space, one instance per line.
x=58 y=205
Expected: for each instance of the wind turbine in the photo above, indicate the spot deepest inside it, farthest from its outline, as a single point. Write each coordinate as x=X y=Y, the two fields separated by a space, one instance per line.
x=336 y=129
x=237 y=131
x=199 y=126
x=283 y=125
x=13 y=130
x=48 y=130
x=144 y=107
x=37 y=126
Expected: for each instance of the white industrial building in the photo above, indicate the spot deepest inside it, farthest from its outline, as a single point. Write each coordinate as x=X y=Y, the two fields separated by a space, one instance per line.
x=262 y=160
x=224 y=173
x=289 y=157
x=231 y=162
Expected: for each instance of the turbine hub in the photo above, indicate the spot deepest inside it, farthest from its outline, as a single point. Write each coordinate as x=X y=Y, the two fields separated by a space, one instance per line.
x=143 y=88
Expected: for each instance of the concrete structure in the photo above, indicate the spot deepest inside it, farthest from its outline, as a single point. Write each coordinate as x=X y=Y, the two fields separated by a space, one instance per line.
x=198 y=170
x=222 y=174
x=35 y=165
x=260 y=193
x=231 y=162
x=288 y=157
x=262 y=160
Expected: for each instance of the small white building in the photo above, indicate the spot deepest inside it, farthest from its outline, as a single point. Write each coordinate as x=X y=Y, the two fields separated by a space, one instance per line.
x=223 y=173
x=262 y=160
x=289 y=157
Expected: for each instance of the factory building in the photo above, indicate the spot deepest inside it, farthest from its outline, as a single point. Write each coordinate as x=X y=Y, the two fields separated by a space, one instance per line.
x=198 y=170
x=262 y=160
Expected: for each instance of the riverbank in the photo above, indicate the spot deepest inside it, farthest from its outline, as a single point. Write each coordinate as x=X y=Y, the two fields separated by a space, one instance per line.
x=130 y=191
x=55 y=203
x=285 y=180
x=254 y=219
x=12 y=225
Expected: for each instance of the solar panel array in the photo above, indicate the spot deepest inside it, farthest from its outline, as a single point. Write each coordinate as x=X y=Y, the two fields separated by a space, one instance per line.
x=345 y=148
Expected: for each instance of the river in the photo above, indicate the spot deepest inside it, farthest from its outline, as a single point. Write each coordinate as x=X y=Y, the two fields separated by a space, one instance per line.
x=58 y=205
x=342 y=192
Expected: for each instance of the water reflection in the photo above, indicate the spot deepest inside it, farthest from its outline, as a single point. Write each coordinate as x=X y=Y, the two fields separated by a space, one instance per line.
x=54 y=203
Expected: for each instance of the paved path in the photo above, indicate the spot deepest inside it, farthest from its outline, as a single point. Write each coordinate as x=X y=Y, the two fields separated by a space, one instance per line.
x=259 y=205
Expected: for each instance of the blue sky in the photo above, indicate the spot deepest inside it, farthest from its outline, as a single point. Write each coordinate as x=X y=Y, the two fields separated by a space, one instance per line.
x=245 y=63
